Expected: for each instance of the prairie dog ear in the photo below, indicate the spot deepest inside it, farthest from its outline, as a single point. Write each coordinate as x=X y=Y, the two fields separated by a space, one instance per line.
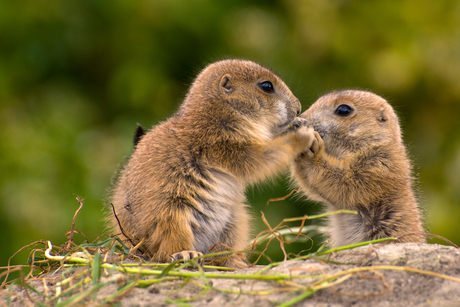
x=382 y=116
x=226 y=84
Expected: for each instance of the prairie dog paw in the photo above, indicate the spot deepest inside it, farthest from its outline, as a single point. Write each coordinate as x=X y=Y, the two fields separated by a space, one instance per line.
x=316 y=147
x=298 y=123
x=185 y=255
x=305 y=135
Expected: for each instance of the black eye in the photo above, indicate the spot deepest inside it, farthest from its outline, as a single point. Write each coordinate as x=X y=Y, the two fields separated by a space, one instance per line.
x=267 y=86
x=343 y=110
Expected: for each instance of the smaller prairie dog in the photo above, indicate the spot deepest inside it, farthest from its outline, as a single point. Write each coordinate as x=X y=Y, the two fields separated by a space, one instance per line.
x=359 y=162
x=182 y=191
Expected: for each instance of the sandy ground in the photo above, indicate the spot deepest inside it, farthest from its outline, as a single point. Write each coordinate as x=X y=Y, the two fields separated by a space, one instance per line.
x=377 y=288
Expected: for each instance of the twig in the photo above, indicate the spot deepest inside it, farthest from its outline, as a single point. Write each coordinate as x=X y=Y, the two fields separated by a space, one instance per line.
x=281 y=198
x=72 y=228
x=9 y=260
x=121 y=228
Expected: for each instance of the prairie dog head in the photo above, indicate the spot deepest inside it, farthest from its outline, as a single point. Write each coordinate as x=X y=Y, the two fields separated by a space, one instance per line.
x=247 y=89
x=351 y=120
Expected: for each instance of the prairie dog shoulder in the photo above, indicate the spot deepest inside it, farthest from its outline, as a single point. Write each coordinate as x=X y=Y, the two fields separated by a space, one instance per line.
x=359 y=162
x=183 y=188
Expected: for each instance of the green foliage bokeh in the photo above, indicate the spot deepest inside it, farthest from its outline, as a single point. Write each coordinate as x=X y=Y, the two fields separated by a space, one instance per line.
x=76 y=77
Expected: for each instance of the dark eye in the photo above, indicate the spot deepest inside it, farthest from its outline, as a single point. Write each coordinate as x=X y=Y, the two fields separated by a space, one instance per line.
x=267 y=86
x=343 y=110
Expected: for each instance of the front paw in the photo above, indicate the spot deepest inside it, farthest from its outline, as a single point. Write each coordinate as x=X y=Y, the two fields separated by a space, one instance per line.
x=185 y=255
x=298 y=123
x=316 y=148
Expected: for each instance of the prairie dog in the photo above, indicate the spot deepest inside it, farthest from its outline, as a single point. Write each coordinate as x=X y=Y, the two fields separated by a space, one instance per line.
x=183 y=187
x=358 y=162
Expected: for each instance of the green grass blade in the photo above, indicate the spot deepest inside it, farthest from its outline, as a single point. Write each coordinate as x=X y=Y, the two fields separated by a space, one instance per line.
x=299 y=298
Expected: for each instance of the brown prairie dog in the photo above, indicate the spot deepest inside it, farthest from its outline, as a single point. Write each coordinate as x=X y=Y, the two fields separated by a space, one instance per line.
x=183 y=187
x=359 y=162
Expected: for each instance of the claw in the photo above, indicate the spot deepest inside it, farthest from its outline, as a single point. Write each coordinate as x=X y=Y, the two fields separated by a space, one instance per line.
x=298 y=123
x=185 y=255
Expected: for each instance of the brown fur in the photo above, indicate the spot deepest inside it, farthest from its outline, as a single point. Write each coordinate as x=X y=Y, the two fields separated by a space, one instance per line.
x=359 y=162
x=183 y=188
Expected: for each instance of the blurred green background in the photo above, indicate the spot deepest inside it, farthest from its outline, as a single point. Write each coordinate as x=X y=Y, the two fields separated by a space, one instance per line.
x=76 y=77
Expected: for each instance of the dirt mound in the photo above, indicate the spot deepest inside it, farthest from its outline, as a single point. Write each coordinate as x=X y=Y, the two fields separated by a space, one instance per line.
x=389 y=275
